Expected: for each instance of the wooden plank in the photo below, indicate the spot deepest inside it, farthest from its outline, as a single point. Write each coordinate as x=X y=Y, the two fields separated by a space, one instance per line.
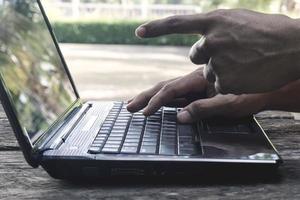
x=7 y=137
x=19 y=181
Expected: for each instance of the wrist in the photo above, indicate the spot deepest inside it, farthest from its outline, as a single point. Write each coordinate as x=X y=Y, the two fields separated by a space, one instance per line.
x=262 y=100
x=286 y=98
x=268 y=101
x=252 y=103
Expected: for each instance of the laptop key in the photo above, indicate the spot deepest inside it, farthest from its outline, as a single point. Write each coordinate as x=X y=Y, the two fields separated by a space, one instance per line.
x=128 y=149
x=110 y=150
x=133 y=137
x=131 y=144
x=115 y=137
x=110 y=145
x=132 y=140
x=150 y=139
x=94 y=150
x=148 y=149
x=167 y=150
x=112 y=142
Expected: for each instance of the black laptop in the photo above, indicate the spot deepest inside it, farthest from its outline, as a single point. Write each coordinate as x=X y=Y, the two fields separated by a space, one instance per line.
x=70 y=138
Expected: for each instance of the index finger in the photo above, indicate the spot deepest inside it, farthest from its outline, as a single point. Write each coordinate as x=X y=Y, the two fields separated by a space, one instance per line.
x=174 y=89
x=190 y=24
x=142 y=99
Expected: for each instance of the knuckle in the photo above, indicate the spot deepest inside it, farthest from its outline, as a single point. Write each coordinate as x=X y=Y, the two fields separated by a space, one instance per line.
x=222 y=16
x=219 y=13
x=193 y=58
x=160 y=84
x=173 y=22
x=144 y=96
x=200 y=52
x=195 y=109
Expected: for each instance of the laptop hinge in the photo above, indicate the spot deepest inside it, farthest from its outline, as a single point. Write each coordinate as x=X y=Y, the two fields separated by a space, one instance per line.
x=63 y=129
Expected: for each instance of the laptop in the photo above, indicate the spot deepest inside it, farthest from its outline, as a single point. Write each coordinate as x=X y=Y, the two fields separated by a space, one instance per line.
x=71 y=138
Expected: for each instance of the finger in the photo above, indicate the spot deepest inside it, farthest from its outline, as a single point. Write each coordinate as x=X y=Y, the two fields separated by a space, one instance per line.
x=195 y=96
x=192 y=24
x=186 y=99
x=164 y=96
x=209 y=73
x=130 y=100
x=177 y=88
x=202 y=109
x=199 y=52
x=141 y=100
x=178 y=103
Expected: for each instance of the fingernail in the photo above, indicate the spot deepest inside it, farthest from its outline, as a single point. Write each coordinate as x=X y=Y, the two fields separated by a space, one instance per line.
x=184 y=117
x=140 y=32
x=146 y=111
x=128 y=108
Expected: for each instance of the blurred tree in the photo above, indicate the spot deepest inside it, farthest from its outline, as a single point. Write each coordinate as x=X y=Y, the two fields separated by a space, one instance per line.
x=24 y=7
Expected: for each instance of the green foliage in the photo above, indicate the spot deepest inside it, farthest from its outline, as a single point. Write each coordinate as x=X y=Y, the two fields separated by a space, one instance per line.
x=120 y=32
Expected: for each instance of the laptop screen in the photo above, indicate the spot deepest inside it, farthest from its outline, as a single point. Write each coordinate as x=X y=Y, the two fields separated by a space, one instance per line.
x=31 y=68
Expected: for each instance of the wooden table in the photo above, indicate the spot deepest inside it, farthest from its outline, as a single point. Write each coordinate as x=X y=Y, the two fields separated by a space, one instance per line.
x=19 y=181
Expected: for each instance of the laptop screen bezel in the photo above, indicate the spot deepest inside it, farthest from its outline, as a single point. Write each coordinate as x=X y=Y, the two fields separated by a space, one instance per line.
x=57 y=48
x=26 y=143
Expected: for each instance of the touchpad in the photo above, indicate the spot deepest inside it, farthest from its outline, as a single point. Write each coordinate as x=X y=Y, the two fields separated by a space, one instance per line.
x=234 y=139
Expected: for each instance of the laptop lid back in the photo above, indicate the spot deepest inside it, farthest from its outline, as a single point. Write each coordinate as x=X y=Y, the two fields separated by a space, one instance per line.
x=36 y=88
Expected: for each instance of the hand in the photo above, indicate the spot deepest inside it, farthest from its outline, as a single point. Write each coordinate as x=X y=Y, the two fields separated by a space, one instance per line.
x=191 y=92
x=177 y=92
x=245 y=51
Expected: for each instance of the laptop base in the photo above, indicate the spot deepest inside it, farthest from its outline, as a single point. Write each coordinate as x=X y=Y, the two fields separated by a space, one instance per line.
x=221 y=151
x=78 y=170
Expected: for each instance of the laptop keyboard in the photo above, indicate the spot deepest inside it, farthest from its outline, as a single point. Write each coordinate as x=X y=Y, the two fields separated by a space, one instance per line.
x=158 y=134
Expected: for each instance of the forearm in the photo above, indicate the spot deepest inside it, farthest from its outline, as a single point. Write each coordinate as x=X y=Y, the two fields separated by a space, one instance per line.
x=286 y=98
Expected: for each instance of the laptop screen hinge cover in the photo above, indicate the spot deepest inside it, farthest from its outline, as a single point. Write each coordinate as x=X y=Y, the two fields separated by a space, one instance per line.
x=63 y=129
